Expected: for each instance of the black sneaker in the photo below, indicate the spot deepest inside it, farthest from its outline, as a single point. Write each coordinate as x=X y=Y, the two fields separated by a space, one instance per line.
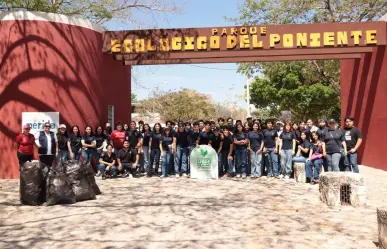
x=103 y=177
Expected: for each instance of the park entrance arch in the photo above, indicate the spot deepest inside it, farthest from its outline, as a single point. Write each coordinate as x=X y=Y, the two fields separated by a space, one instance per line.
x=360 y=47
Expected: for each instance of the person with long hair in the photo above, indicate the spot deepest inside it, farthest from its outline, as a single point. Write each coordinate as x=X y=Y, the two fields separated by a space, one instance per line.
x=88 y=146
x=134 y=137
x=240 y=142
x=126 y=127
x=166 y=148
x=117 y=137
x=227 y=165
x=100 y=140
x=181 y=150
x=75 y=143
x=154 y=148
x=315 y=159
x=303 y=148
x=24 y=144
x=63 y=146
x=255 y=148
x=47 y=143
x=107 y=163
x=145 y=147
x=271 y=149
x=287 y=149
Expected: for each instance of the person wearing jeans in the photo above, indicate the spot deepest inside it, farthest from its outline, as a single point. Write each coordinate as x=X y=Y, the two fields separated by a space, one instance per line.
x=107 y=162
x=287 y=148
x=271 y=149
x=154 y=148
x=217 y=143
x=240 y=142
x=227 y=165
x=193 y=136
x=333 y=142
x=167 y=142
x=255 y=148
x=128 y=159
x=47 y=143
x=303 y=149
x=145 y=147
x=88 y=146
x=353 y=140
x=181 y=153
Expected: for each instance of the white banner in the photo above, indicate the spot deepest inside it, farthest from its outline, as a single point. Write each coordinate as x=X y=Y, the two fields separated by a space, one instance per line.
x=37 y=119
x=204 y=163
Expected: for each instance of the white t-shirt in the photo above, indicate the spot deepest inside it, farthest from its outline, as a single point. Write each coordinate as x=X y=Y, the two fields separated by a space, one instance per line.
x=48 y=136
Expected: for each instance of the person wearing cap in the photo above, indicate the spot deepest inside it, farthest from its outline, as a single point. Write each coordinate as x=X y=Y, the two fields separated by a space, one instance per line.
x=181 y=153
x=216 y=143
x=334 y=141
x=24 y=143
x=353 y=140
x=47 y=143
x=166 y=147
x=63 y=147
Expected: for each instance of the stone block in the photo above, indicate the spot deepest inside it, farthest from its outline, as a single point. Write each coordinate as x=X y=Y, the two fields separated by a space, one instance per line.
x=333 y=184
x=382 y=227
x=299 y=172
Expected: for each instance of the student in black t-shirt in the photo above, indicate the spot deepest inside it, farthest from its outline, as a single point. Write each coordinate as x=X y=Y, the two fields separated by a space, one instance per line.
x=88 y=146
x=220 y=123
x=322 y=128
x=128 y=159
x=216 y=143
x=226 y=153
x=134 y=136
x=145 y=147
x=353 y=140
x=100 y=141
x=206 y=135
x=271 y=149
x=181 y=152
x=107 y=162
x=333 y=143
x=63 y=147
x=74 y=143
x=315 y=159
x=154 y=148
x=230 y=126
x=166 y=148
x=240 y=142
x=256 y=147
x=287 y=149
x=302 y=149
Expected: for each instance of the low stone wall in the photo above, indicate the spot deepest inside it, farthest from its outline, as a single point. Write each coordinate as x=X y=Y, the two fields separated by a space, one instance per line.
x=299 y=172
x=342 y=188
x=382 y=227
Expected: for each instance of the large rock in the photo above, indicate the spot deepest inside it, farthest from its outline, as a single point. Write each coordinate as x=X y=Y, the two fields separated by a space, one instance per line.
x=382 y=227
x=333 y=183
x=299 y=172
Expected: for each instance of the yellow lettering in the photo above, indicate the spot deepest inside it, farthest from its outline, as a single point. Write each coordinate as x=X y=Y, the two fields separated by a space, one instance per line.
x=288 y=40
x=244 y=41
x=164 y=44
x=256 y=43
x=233 y=31
x=202 y=43
x=214 y=42
x=356 y=37
x=128 y=46
x=315 y=39
x=342 y=38
x=263 y=30
x=329 y=39
x=231 y=41
x=301 y=40
x=224 y=32
x=370 y=37
x=189 y=43
x=116 y=46
x=243 y=31
x=176 y=43
x=214 y=31
x=139 y=45
x=150 y=47
x=253 y=30
x=274 y=39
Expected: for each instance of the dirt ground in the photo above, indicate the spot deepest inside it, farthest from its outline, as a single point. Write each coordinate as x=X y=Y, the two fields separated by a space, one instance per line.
x=186 y=213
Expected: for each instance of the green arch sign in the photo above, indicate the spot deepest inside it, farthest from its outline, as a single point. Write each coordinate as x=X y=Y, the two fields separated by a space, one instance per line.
x=204 y=163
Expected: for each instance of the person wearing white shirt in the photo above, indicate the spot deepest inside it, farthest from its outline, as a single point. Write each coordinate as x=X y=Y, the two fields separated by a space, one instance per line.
x=47 y=144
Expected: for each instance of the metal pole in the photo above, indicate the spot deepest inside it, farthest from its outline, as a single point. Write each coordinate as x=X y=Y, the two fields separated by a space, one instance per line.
x=248 y=96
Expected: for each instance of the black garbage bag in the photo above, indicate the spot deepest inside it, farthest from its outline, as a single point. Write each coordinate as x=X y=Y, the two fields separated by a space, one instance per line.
x=79 y=184
x=31 y=182
x=89 y=175
x=45 y=171
x=58 y=188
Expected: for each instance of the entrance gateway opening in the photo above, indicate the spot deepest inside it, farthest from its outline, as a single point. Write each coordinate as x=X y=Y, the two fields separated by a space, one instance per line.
x=360 y=47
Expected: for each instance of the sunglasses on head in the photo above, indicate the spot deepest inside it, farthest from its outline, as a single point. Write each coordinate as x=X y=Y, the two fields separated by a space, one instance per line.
x=47 y=126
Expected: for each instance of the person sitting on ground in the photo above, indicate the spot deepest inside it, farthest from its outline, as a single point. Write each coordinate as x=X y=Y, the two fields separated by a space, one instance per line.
x=107 y=162
x=127 y=160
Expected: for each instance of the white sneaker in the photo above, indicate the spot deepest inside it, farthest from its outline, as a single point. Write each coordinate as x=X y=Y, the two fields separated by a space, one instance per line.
x=281 y=176
x=238 y=175
x=162 y=176
x=130 y=176
x=185 y=175
x=177 y=176
x=243 y=175
x=287 y=177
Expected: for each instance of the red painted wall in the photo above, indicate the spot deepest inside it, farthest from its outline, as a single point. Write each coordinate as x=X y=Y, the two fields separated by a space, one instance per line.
x=364 y=96
x=47 y=66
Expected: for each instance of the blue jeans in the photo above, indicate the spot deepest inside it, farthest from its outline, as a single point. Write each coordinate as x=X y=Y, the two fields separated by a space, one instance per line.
x=166 y=159
x=309 y=167
x=286 y=162
x=333 y=161
x=154 y=157
x=87 y=155
x=299 y=159
x=146 y=159
x=256 y=163
x=181 y=155
x=227 y=165
x=102 y=169
x=272 y=168
x=351 y=160
x=128 y=168
x=62 y=155
x=240 y=160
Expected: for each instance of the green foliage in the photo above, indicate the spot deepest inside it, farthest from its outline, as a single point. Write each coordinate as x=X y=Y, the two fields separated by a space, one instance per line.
x=133 y=97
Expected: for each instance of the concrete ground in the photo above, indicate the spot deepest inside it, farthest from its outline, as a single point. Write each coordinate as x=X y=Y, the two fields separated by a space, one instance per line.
x=186 y=213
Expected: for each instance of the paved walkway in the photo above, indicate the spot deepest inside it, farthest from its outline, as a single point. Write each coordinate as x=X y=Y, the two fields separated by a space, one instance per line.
x=185 y=213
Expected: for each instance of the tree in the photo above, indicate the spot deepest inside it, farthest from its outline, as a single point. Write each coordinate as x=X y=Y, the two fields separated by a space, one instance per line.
x=98 y=11
x=183 y=105
x=323 y=76
x=133 y=97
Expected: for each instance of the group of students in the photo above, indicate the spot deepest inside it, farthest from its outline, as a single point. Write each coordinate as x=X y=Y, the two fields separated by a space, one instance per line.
x=255 y=148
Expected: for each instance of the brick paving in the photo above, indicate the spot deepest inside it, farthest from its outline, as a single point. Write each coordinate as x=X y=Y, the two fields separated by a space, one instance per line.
x=185 y=213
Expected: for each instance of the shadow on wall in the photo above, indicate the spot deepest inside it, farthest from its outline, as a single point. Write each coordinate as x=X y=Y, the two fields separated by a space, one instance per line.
x=45 y=67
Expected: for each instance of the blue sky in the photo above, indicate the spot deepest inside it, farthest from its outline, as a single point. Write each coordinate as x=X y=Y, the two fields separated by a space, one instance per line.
x=220 y=80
